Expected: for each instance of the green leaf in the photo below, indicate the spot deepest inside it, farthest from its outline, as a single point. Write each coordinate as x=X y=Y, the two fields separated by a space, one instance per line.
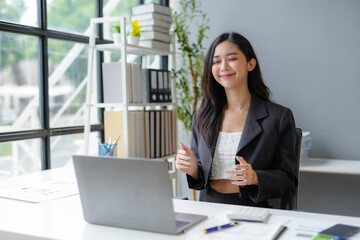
x=192 y=56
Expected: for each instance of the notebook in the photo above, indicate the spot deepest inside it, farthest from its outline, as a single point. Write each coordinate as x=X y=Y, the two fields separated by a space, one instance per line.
x=130 y=193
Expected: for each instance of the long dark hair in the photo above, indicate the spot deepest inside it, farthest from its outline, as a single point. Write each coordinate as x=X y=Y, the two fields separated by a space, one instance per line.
x=213 y=94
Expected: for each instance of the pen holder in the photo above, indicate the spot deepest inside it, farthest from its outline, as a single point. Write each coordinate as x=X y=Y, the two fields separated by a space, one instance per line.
x=108 y=150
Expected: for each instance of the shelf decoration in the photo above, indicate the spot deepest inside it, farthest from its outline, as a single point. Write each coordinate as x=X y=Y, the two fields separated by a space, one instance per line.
x=117 y=33
x=135 y=34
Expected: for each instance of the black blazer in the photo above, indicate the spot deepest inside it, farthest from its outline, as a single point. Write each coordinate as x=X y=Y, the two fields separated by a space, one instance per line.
x=267 y=143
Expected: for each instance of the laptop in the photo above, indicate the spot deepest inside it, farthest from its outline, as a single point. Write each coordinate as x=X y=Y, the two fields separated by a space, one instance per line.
x=130 y=193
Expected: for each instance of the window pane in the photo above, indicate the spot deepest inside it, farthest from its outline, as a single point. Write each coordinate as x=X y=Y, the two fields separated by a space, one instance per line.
x=67 y=88
x=121 y=8
x=20 y=157
x=73 y=144
x=19 y=11
x=70 y=16
x=19 y=83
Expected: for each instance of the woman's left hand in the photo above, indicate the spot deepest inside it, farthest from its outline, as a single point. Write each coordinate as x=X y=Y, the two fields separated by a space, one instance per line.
x=244 y=174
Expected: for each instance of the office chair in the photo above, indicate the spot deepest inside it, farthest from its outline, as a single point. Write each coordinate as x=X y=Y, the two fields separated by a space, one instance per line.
x=291 y=201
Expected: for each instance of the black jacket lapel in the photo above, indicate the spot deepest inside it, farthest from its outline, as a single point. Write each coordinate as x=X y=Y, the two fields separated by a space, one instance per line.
x=257 y=111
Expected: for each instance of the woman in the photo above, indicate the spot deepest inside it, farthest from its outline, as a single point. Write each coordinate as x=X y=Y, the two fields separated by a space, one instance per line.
x=243 y=146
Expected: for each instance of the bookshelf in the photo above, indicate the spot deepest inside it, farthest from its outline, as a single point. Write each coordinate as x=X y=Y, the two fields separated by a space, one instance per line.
x=124 y=106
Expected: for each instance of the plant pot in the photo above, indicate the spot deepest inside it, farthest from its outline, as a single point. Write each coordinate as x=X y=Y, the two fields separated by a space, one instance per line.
x=133 y=40
x=117 y=38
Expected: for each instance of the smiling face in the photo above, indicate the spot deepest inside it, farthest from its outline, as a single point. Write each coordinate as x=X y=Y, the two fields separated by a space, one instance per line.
x=230 y=67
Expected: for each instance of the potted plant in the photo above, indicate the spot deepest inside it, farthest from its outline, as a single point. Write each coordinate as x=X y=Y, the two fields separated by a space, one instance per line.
x=135 y=33
x=188 y=77
x=117 y=33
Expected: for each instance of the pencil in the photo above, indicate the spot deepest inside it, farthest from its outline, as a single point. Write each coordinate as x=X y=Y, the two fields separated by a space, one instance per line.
x=218 y=228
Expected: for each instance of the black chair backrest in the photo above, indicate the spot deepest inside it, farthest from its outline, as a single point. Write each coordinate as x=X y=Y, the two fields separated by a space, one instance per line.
x=291 y=202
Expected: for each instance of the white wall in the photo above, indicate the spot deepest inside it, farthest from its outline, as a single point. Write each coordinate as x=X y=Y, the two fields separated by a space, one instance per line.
x=309 y=53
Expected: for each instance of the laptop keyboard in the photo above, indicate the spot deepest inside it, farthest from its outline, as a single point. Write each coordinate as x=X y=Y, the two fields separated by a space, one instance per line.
x=180 y=224
x=183 y=220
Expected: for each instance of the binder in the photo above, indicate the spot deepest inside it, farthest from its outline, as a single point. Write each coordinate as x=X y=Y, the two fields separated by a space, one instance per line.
x=153 y=88
x=145 y=85
x=161 y=90
x=167 y=86
x=149 y=88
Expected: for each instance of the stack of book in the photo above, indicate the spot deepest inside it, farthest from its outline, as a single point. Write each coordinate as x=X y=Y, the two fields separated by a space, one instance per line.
x=156 y=21
x=143 y=85
x=112 y=82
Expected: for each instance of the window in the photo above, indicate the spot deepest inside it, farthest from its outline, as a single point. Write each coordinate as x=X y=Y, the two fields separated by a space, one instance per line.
x=43 y=69
x=19 y=82
x=67 y=82
x=73 y=144
x=20 y=157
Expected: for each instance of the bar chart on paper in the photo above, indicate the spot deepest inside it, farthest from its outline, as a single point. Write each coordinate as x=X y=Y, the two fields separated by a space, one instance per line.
x=42 y=192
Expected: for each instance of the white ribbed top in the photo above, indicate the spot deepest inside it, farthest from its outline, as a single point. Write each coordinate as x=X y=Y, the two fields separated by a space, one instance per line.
x=225 y=152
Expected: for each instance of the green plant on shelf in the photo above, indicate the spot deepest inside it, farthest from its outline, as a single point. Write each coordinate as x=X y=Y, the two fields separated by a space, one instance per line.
x=135 y=28
x=116 y=28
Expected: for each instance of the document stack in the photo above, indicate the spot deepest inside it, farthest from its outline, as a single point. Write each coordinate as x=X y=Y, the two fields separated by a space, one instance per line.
x=151 y=133
x=112 y=82
x=143 y=85
x=305 y=146
x=156 y=21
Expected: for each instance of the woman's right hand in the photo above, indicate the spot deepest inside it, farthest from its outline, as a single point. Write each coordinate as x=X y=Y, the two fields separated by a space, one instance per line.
x=186 y=161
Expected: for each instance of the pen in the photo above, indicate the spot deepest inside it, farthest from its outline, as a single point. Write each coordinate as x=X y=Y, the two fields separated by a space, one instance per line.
x=117 y=139
x=217 y=228
x=112 y=147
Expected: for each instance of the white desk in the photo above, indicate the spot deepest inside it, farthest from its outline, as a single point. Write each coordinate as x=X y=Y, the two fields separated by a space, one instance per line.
x=330 y=186
x=331 y=166
x=63 y=219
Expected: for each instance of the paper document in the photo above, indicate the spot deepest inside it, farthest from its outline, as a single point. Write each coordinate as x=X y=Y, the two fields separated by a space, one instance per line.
x=42 y=192
x=243 y=231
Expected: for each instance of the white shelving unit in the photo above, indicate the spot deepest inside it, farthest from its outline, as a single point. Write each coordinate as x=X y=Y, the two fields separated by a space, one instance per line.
x=125 y=49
